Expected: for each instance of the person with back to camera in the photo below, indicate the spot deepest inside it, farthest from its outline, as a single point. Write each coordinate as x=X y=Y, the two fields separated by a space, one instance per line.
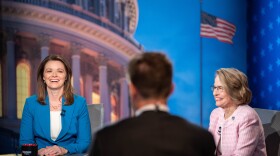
x=152 y=131
x=236 y=127
x=56 y=119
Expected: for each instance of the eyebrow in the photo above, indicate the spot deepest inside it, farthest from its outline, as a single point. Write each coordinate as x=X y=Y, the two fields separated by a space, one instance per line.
x=55 y=69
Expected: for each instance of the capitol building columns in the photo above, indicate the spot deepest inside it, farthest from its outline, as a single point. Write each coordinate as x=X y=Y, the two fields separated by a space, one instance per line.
x=11 y=76
x=76 y=61
x=124 y=100
x=88 y=88
x=96 y=37
x=44 y=40
x=102 y=8
x=104 y=88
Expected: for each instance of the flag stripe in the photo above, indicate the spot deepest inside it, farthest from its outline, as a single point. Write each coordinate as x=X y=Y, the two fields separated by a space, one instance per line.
x=214 y=33
x=219 y=36
x=226 y=23
x=219 y=30
x=227 y=29
x=213 y=27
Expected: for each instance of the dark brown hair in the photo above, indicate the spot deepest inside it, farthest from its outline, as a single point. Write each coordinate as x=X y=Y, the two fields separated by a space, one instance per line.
x=41 y=86
x=236 y=84
x=151 y=74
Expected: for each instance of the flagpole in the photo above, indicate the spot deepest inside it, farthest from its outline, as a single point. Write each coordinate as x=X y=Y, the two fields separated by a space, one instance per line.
x=200 y=70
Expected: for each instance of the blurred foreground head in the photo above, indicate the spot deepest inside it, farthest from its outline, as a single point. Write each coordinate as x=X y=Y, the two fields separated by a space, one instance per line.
x=150 y=74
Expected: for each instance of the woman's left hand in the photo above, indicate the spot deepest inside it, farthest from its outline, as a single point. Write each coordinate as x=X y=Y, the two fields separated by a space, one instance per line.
x=54 y=150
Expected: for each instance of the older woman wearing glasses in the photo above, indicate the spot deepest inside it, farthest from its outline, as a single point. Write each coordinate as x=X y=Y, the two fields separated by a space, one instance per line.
x=236 y=126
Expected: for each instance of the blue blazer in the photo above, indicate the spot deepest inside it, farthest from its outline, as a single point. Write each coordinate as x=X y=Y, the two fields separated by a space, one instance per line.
x=75 y=135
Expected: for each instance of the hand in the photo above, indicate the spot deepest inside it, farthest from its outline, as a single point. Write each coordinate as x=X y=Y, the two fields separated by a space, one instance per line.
x=52 y=151
x=42 y=151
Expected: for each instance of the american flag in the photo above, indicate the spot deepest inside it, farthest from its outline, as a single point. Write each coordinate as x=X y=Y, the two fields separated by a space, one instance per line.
x=264 y=53
x=214 y=27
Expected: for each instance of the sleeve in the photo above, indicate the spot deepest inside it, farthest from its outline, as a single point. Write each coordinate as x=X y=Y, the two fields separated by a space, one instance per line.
x=26 y=127
x=84 y=132
x=249 y=131
x=213 y=121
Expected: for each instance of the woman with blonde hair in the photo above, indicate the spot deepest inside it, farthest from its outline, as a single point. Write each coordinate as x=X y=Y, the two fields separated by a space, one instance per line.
x=236 y=127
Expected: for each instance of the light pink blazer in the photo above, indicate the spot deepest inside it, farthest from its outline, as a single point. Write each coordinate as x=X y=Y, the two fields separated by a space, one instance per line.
x=241 y=134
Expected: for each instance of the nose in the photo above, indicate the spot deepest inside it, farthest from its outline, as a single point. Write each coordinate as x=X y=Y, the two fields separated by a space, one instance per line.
x=54 y=73
x=215 y=92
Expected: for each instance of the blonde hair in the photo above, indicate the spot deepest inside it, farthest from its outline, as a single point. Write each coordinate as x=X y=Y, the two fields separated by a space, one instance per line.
x=235 y=84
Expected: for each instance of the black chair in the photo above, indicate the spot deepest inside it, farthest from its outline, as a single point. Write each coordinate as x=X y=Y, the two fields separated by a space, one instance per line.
x=9 y=141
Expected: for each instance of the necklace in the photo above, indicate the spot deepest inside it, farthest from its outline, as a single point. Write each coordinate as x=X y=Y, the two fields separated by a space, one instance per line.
x=56 y=107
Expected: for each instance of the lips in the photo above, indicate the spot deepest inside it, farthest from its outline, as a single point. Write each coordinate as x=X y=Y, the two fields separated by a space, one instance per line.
x=54 y=80
x=218 y=99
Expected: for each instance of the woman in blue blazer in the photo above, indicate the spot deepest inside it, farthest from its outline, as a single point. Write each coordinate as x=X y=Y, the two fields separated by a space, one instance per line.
x=55 y=119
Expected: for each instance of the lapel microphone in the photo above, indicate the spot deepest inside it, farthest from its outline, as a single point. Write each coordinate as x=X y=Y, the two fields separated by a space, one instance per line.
x=219 y=130
x=62 y=112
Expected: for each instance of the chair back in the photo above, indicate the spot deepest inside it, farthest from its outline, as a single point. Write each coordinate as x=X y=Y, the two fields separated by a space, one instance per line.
x=96 y=115
x=271 y=124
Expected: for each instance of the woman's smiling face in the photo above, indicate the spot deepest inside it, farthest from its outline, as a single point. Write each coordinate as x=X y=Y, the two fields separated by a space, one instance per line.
x=54 y=75
x=222 y=98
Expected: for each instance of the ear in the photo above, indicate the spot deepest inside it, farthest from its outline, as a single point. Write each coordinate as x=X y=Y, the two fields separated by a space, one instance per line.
x=132 y=89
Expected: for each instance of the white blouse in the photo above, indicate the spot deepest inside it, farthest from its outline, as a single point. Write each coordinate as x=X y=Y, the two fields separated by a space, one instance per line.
x=55 y=124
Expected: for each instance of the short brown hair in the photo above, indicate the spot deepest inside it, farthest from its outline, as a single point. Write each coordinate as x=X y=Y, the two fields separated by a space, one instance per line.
x=236 y=84
x=41 y=86
x=151 y=74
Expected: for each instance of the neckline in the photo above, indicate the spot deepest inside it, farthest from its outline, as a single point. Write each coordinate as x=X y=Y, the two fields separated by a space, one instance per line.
x=151 y=107
x=232 y=116
x=59 y=111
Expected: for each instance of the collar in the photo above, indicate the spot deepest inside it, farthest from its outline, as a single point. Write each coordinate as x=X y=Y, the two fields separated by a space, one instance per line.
x=151 y=107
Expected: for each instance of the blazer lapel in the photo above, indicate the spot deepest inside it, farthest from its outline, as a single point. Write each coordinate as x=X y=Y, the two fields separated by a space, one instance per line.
x=43 y=113
x=66 y=118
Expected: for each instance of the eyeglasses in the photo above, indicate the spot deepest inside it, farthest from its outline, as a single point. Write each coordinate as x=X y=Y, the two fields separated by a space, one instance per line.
x=217 y=88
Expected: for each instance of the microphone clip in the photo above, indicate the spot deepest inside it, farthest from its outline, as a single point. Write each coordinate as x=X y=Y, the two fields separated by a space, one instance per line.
x=62 y=112
x=219 y=130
